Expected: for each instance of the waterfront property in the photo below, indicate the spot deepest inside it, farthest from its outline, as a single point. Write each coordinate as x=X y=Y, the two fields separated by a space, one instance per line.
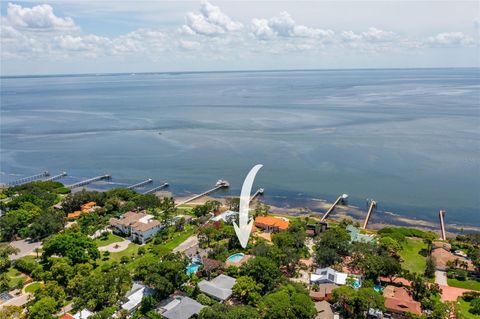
x=271 y=224
x=140 y=226
x=219 y=288
x=356 y=236
x=84 y=209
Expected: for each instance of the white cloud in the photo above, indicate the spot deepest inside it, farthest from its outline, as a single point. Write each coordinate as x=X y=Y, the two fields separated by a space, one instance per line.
x=284 y=26
x=210 y=21
x=372 y=35
x=448 y=39
x=37 y=18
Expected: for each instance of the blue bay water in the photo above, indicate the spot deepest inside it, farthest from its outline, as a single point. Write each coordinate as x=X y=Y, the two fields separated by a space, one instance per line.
x=408 y=138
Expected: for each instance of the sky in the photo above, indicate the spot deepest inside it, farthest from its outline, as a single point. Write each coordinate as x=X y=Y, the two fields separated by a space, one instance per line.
x=64 y=37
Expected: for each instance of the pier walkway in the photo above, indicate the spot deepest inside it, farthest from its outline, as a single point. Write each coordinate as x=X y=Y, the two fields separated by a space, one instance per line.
x=145 y=182
x=153 y=190
x=342 y=199
x=220 y=184
x=373 y=205
x=56 y=177
x=89 y=181
x=28 y=179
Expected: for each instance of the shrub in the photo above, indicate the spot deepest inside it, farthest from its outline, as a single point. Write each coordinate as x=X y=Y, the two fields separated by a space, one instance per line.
x=475 y=306
x=62 y=190
x=205 y=300
x=26 y=265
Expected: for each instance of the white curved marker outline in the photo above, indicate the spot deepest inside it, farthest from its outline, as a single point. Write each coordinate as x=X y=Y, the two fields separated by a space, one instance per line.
x=244 y=228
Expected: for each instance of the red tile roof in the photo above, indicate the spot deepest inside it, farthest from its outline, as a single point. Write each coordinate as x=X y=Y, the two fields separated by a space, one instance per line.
x=67 y=316
x=270 y=221
x=398 y=299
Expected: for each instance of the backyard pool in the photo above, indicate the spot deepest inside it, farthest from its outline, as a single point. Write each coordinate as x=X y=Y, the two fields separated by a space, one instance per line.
x=192 y=268
x=236 y=258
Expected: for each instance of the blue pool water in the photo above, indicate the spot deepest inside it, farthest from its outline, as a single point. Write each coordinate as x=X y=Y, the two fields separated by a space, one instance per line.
x=192 y=268
x=356 y=284
x=378 y=289
x=236 y=257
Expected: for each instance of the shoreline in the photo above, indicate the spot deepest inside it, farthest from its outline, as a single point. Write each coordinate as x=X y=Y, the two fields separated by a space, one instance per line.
x=356 y=214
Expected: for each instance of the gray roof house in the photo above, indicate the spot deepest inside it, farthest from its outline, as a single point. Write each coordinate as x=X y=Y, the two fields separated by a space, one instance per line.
x=356 y=236
x=219 y=287
x=180 y=308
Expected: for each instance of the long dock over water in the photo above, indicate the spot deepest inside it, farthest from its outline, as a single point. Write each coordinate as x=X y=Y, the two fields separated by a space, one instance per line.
x=56 y=177
x=89 y=181
x=257 y=193
x=373 y=205
x=153 y=190
x=442 y=225
x=145 y=182
x=28 y=179
x=220 y=184
x=342 y=199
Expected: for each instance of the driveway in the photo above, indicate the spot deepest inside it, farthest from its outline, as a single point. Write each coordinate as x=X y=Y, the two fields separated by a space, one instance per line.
x=26 y=248
x=441 y=278
x=190 y=242
x=116 y=247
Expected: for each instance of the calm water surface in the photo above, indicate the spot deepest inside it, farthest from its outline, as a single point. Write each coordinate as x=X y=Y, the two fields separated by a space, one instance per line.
x=408 y=138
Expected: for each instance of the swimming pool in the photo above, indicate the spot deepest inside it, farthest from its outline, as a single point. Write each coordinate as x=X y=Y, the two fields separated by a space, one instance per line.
x=356 y=284
x=378 y=289
x=192 y=268
x=236 y=258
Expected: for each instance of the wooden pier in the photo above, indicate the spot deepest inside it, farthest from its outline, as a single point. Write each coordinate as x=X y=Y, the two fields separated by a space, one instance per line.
x=153 y=190
x=88 y=181
x=373 y=205
x=443 y=234
x=56 y=177
x=342 y=199
x=145 y=182
x=220 y=184
x=257 y=193
x=28 y=179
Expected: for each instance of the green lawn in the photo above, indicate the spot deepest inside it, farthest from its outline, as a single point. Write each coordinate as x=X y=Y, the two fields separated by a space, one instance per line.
x=462 y=308
x=467 y=284
x=34 y=286
x=178 y=239
x=410 y=253
x=132 y=249
x=109 y=240
x=14 y=277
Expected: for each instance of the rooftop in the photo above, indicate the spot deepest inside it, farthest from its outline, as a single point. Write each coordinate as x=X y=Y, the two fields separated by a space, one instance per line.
x=182 y=308
x=398 y=299
x=220 y=287
x=272 y=222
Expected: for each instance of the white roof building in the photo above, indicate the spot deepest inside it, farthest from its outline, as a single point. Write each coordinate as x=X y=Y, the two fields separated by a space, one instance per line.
x=328 y=275
x=135 y=296
x=227 y=216
x=219 y=288
x=83 y=314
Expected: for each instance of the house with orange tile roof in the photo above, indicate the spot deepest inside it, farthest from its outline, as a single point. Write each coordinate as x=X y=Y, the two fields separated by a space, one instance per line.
x=399 y=301
x=66 y=316
x=84 y=209
x=271 y=223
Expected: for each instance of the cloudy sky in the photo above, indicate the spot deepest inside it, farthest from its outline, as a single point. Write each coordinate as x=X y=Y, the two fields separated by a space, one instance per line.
x=148 y=36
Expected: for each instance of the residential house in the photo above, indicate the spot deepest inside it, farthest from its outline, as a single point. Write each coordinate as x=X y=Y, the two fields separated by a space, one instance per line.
x=180 y=307
x=219 y=288
x=228 y=216
x=83 y=314
x=442 y=254
x=328 y=276
x=356 y=236
x=84 y=209
x=139 y=226
x=271 y=224
x=399 y=302
x=135 y=296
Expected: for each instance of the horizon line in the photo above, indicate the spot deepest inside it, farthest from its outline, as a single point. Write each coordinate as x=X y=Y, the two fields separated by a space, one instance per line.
x=225 y=71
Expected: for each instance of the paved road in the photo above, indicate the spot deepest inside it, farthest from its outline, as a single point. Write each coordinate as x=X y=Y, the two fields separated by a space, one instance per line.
x=26 y=248
x=187 y=244
x=441 y=278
